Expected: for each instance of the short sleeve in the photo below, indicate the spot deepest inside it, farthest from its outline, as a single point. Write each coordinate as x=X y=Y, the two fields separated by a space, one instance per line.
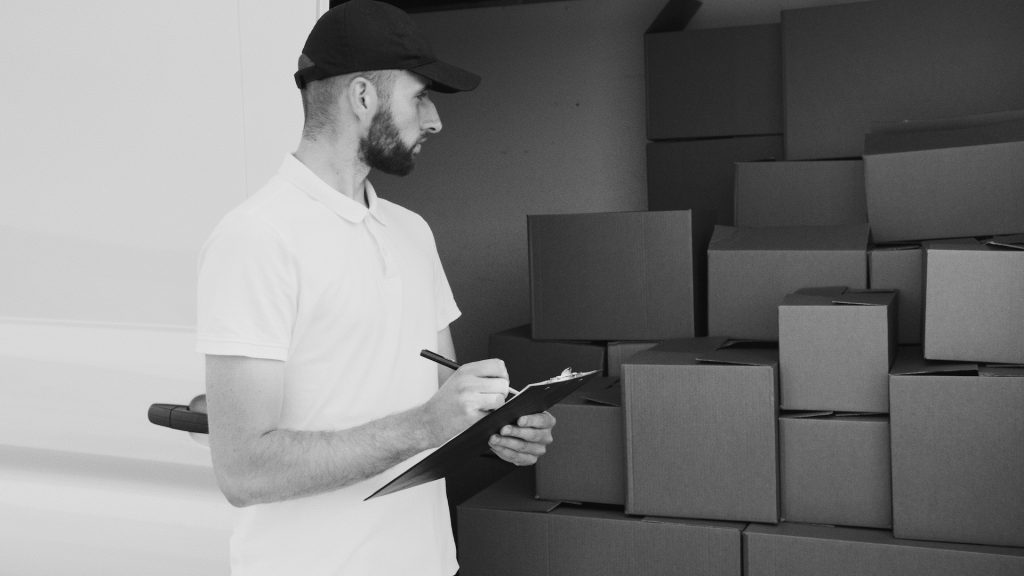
x=247 y=291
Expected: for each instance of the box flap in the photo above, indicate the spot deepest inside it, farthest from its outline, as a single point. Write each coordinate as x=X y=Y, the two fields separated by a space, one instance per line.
x=676 y=351
x=974 y=130
x=867 y=298
x=797 y=415
x=910 y=361
x=1002 y=370
x=1014 y=242
x=610 y=395
x=674 y=16
x=741 y=357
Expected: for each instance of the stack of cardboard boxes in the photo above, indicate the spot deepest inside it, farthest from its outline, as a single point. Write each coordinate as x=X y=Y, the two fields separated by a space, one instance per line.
x=815 y=366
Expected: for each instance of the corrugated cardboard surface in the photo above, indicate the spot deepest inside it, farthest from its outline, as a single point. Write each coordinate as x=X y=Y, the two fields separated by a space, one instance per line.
x=835 y=470
x=587 y=460
x=901 y=268
x=618 y=352
x=530 y=361
x=972 y=130
x=957 y=453
x=751 y=270
x=501 y=536
x=806 y=550
x=946 y=192
x=613 y=276
x=700 y=174
x=835 y=355
x=715 y=82
x=819 y=193
x=974 y=303
x=701 y=437
x=847 y=66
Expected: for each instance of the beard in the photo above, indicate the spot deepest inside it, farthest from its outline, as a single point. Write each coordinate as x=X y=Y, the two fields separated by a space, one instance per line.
x=383 y=149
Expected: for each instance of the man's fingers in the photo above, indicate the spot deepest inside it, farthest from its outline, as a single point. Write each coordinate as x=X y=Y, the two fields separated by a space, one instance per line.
x=541 y=420
x=517 y=458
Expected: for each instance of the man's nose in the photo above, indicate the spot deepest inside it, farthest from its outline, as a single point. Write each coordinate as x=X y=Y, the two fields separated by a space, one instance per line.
x=431 y=119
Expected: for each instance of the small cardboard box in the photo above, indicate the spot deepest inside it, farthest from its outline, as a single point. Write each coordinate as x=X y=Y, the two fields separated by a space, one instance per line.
x=619 y=352
x=714 y=82
x=699 y=175
x=505 y=531
x=614 y=276
x=835 y=349
x=810 y=550
x=587 y=460
x=901 y=268
x=701 y=431
x=529 y=360
x=750 y=271
x=957 y=451
x=974 y=301
x=834 y=469
x=846 y=66
x=818 y=193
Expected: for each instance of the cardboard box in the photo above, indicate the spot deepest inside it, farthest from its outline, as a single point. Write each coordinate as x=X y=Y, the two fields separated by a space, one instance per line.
x=901 y=268
x=974 y=309
x=946 y=192
x=699 y=175
x=835 y=349
x=614 y=276
x=819 y=193
x=619 y=352
x=529 y=360
x=714 y=82
x=929 y=134
x=701 y=431
x=515 y=534
x=834 y=469
x=847 y=66
x=750 y=271
x=807 y=550
x=957 y=451
x=587 y=460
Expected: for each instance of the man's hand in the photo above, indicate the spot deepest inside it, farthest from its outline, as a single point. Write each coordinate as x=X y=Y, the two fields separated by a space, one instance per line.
x=467 y=396
x=525 y=442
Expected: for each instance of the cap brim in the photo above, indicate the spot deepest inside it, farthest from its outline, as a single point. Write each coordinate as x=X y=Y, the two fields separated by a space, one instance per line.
x=447 y=78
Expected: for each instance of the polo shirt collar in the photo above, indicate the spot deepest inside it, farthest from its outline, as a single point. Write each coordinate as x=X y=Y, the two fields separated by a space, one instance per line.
x=306 y=180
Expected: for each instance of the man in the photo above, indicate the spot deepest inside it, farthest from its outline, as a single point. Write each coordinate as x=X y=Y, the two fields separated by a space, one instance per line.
x=315 y=298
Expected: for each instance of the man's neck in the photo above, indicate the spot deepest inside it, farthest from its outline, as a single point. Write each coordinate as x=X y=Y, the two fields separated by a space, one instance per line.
x=340 y=168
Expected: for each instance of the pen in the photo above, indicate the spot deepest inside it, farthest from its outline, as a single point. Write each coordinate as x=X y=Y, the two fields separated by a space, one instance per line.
x=450 y=364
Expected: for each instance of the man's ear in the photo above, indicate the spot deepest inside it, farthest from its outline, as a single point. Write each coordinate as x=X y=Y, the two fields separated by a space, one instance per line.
x=362 y=98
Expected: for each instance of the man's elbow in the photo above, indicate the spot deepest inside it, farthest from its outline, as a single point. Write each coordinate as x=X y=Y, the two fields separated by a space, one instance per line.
x=238 y=492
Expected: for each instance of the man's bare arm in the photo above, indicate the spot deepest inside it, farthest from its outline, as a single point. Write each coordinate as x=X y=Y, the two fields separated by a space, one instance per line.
x=255 y=461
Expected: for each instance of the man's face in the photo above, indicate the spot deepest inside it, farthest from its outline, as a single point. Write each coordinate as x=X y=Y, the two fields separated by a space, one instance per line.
x=400 y=126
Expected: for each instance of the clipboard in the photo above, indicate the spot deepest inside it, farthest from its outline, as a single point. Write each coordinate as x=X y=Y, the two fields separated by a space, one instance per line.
x=451 y=455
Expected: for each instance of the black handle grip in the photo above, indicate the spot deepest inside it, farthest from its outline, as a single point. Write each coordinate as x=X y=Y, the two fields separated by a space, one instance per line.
x=179 y=417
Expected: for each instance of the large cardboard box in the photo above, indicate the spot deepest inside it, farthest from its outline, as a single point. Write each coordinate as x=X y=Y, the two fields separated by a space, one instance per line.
x=957 y=451
x=835 y=349
x=974 y=301
x=901 y=268
x=701 y=431
x=615 y=276
x=714 y=82
x=529 y=360
x=818 y=193
x=834 y=469
x=699 y=175
x=587 y=460
x=847 y=66
x=750 y=271
x=946 y=192
x=809 y=550
x=505 y=531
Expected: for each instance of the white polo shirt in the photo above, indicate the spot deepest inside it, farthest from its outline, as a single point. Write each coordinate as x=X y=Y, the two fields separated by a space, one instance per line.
x=347 y=296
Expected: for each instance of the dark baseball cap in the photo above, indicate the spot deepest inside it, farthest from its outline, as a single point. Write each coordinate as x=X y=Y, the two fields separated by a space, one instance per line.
x=364 y=35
